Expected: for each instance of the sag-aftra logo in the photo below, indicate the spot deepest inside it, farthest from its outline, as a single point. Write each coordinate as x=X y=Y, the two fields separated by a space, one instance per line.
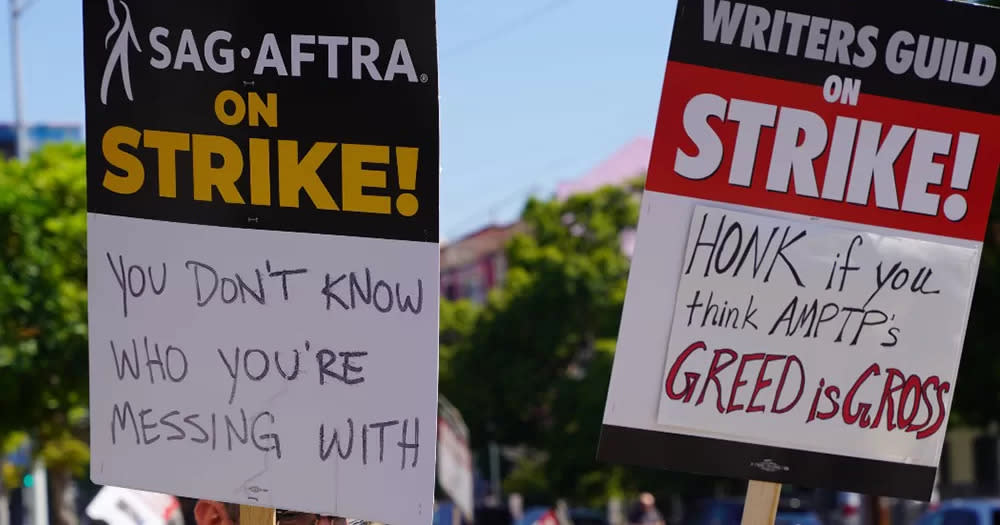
x=218 y=51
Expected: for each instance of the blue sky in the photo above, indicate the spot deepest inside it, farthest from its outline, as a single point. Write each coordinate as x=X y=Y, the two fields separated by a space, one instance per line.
x=532 y=91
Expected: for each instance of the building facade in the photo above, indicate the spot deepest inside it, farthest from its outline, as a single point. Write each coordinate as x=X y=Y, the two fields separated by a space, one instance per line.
x=476 y=263
x=38 y=135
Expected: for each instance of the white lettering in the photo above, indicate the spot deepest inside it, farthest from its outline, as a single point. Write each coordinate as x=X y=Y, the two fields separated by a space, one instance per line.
x=874 y=164
x=187 y=52
x=981 y=68
x=756 y=23
x=298 y=55
x=400 y=62
x=752 y=116
x=364 y=52
x=228 y=63
x=924 y=171
x=835 y=181
x=866 y=41
x=791 y=159
x=817 y=37
x=709 y=157
x=332 y=44
x=270 y=57
x=897 y=58
x=156 y=37
x=725 y=17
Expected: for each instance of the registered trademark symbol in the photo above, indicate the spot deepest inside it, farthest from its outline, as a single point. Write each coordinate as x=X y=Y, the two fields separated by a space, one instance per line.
x=423 y=78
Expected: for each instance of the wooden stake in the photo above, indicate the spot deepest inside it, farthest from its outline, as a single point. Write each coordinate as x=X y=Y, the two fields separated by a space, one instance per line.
x=761 y=505
x=250 y=515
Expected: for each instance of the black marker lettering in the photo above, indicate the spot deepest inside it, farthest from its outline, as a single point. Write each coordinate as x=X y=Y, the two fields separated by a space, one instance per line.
x=381 y=436
x=190 y=420
x=415 y=445
x=233 y=370
x=142 y=421
x=118 y=415
x=231 y=429
x=132 y=365
x=199 y=297
x=335 y=439
x=179 y=432
x=120 y=277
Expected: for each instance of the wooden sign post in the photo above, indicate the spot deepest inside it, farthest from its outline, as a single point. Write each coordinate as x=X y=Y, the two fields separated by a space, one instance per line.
x=761 y=505
x=251 y=515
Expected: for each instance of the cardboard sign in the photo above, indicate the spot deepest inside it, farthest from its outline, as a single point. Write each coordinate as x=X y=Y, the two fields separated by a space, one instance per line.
x=119 y=506
x=263 y=252
x=454 y=460
x=808 y=243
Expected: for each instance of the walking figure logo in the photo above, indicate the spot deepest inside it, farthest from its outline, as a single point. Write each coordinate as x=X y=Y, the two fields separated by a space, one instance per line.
x=118 y=57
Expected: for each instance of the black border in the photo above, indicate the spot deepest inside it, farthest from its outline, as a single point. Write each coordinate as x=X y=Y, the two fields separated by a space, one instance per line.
x=718 y=457
x=312 y=108
x=975 y=24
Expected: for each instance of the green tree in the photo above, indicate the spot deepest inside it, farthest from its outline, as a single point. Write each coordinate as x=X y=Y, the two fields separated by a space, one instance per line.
x=977 y=398
x=530 y=369
x=43 y=309
x=534 y=368
x=458 y=318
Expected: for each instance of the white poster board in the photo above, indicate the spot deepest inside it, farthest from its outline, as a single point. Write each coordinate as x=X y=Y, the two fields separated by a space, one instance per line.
x=454 y=472
x=774 y=326
x=263 y=252
x=120 y=506
x=294 y=402
x=845 y=189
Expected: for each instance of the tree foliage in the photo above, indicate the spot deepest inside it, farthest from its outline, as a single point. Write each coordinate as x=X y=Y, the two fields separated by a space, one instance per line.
x=43 y=304
x=977 y=398
x=533 y=368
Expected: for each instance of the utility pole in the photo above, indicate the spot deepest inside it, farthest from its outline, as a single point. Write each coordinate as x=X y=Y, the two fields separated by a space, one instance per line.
x=4 y=505
x=21 y=133
x=494 y=450
x=18 y=125
x=38 y=491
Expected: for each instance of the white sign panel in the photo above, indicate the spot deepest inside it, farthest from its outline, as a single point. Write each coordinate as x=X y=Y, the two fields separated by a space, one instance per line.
x=808 y=243
x=800 y=335
x=263 y=252
x=119 y=506
x=267 y=368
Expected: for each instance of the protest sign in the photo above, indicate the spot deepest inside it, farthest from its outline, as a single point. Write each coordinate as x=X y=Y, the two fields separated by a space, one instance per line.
x=454 y=459
x=119 y=506
x=263 y=252
x=808 y=243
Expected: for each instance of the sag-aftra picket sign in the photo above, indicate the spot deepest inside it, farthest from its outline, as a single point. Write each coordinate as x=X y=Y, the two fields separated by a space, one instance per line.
x=808 y=243
x=263 y=252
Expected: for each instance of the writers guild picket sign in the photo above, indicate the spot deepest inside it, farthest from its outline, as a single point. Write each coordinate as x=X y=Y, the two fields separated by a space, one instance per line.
x=263 y=252
x=808 y=243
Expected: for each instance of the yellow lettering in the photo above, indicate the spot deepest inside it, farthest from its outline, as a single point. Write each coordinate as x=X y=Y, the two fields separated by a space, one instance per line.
x=239 y=107
x=259 y=110
x=260 y=172
x=223 y=178
x=295 y=176
x=167 y=144
x=356 y=178
x=135 y=175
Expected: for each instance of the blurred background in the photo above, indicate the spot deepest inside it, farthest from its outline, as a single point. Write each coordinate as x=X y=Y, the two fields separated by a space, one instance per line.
x=547 y=112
